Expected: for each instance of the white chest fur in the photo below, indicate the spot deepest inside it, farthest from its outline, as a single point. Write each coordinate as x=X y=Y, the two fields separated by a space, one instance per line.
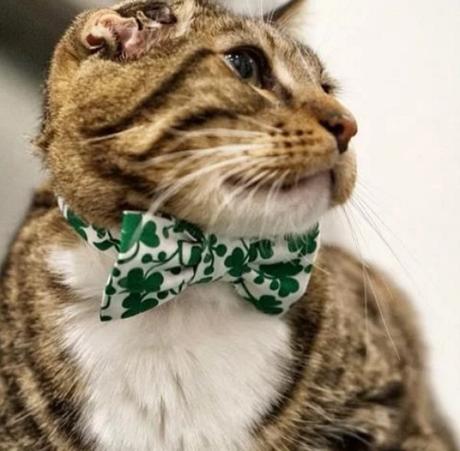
x=195 y=374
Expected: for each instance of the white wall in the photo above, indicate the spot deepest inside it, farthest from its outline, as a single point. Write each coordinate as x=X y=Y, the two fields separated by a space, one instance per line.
x=399 y=64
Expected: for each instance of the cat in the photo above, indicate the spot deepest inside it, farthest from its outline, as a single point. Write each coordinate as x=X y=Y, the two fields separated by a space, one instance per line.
x=229 y=123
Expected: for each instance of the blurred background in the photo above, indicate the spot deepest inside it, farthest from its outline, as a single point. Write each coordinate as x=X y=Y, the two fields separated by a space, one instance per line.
x=398 y=63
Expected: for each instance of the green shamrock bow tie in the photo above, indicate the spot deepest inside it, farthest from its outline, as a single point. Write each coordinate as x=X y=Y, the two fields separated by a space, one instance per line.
x=159 y=256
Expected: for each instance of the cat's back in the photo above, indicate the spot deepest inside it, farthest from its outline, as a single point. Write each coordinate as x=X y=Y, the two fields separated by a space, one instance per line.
x=371 y=300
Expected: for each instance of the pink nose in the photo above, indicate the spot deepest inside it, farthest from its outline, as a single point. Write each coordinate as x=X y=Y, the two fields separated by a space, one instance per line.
x=343 y=126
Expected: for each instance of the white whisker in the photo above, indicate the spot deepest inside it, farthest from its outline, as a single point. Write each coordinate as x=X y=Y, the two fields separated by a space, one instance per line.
x=368 y=214
x=271 y=193
x=248 y=204
x=198 y=153
x=251 y=120
x=189 y=178
x=279 y=184
x=219 y=132
x=368 y=279
x=114 y=135
x=363 y=269
x=234 y=193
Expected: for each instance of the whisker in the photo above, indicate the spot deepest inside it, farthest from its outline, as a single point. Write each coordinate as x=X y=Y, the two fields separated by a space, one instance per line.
x=375 y=229
x=368 y=214
x=363 y=270
x=190 y=178
x=114 y=135
x=248 y=205
x=322 y=269
x=362 y=189
x=273 y=191
x=259 y=123
x=234 y=193
x=368 y=279
x=198 y=153
x=248 y=169
x=306 y=65
x=279 y=186
x=210 y=188
x=219 y=132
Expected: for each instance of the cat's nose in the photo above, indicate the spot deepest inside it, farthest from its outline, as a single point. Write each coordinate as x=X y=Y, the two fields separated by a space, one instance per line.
x=343 y=126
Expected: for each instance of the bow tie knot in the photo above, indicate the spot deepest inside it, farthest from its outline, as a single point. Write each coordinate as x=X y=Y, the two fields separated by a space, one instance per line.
x=159 y=257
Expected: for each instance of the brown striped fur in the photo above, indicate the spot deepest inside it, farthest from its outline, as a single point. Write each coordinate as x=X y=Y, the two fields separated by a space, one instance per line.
x=106 y=120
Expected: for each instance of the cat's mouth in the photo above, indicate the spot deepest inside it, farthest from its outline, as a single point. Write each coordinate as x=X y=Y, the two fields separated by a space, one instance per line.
x=298 y=183
x=277 y=207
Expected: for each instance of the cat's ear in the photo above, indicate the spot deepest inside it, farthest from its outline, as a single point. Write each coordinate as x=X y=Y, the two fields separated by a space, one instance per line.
x=125 y=33
x=288 y=15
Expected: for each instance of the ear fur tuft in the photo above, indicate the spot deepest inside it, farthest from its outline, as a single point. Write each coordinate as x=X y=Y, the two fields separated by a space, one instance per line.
x=286 y=14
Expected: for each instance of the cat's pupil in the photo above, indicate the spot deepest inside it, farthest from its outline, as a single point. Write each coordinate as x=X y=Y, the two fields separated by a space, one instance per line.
x=242 y=63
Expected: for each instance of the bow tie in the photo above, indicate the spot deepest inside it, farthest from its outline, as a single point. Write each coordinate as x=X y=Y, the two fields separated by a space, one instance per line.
x=160 y=256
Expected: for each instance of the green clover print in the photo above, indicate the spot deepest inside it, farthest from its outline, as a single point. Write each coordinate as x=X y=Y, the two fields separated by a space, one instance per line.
x=160 y=256
x=304 y=244
x=134 y=231
x=237 y=263
x=139 y=286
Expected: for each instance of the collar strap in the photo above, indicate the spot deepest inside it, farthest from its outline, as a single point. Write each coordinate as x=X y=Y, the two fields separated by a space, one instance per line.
x=158 y=257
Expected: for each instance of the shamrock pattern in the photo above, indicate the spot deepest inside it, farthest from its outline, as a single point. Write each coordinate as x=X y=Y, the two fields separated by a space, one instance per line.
x=99 y=238
x=159 y=256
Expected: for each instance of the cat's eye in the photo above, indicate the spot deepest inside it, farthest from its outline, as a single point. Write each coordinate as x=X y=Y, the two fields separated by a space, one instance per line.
x=328 y=88
x=249 y=64
x=328 y=84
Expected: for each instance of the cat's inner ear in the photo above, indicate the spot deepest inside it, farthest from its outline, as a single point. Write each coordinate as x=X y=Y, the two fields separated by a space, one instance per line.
x=127 y=36
x=286 y=14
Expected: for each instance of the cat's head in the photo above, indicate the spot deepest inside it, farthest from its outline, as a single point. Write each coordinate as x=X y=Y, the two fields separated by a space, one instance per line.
x=222 y=120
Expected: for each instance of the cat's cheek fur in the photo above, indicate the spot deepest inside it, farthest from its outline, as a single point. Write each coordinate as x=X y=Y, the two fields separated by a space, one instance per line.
x=196 y=374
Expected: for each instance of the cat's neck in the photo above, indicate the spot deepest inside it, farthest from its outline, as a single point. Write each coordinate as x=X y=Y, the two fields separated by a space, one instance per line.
x=207 y=364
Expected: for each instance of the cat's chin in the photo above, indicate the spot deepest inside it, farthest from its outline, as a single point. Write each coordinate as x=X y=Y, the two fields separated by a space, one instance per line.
x=290 y=210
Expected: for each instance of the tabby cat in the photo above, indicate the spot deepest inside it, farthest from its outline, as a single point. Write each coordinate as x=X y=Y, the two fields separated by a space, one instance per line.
x=228 y=123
